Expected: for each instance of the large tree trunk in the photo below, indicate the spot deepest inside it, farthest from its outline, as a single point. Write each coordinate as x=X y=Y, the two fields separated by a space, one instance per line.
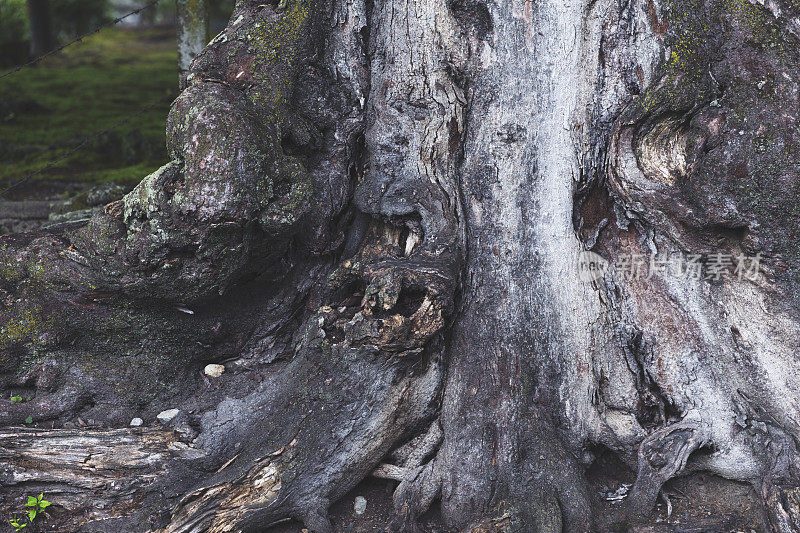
x=378 y=217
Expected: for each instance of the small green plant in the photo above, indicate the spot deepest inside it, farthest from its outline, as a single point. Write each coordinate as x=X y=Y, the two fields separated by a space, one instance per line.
x=16 y=398
x=29 y=420
x=35 y=505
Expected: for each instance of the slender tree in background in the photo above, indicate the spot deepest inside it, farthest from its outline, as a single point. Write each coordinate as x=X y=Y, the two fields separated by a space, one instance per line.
x=41 y=27
x=192 y=29
x=375 y=217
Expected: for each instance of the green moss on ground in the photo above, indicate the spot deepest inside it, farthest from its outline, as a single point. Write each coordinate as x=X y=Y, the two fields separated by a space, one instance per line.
x=48 y=109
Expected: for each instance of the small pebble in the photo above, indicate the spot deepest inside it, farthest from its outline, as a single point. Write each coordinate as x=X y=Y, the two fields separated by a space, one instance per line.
x=137 y=422
x=166 y=416
x=214 y=371
x=360 y=505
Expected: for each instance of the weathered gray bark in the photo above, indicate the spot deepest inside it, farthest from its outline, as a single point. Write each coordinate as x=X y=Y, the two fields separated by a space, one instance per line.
x=374 y=217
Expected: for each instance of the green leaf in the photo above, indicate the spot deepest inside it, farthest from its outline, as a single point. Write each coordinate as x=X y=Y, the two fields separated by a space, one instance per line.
x=31 y=514
x=29 y=420
x=16 y=398
x=32 y=501
x=44 y=503
x=40 y=496
x=16 y=524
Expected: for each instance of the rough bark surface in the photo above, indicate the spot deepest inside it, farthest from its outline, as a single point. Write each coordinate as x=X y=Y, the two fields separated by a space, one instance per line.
x=374 y=217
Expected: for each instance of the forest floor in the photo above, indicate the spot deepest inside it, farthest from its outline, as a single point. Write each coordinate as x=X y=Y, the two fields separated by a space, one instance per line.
x=698 y=503
x=48 y=109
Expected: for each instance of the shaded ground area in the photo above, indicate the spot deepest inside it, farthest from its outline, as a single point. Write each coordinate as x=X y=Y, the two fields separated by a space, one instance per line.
x=694 y=503
x=698 y=503
x=48 y=109
x=707 y=503
x=701 y=503
x=375 y=516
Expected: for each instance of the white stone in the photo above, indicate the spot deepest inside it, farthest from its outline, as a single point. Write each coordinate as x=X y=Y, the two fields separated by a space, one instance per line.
x=360 y=505
x=137 y=422
x=214 y=371
x=166 y=416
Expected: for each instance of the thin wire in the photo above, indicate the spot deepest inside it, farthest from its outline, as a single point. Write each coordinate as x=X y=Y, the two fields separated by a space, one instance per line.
x=85 y=35
x=86 y=141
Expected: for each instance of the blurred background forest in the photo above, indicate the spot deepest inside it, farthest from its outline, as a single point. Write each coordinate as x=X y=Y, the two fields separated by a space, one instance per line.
x=48 y=109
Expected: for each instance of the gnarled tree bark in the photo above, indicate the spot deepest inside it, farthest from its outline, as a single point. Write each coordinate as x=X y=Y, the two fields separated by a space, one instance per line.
x=374 y=217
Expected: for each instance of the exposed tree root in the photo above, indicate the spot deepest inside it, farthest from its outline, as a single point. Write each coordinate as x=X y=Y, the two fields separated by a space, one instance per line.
x=662 y=456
